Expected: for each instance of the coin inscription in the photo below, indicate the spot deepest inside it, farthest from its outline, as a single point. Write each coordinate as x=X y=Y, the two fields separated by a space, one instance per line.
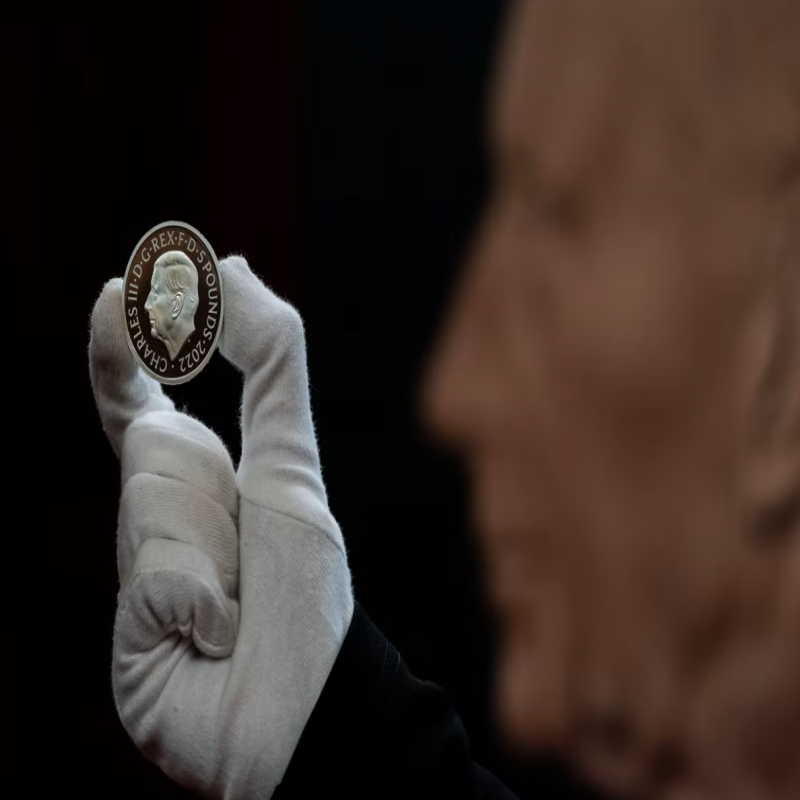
x=172 y=299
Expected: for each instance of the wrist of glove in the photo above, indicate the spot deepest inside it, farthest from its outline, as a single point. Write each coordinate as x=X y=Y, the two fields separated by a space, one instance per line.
x=235 y=593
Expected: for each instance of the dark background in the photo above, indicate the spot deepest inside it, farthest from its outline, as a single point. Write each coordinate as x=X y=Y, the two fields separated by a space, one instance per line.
x=339 y=147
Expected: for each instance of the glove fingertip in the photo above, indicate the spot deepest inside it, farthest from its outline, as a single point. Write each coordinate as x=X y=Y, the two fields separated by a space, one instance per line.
x=107 y=332
x=108 y=303
x=122 y=391
x=234 y=261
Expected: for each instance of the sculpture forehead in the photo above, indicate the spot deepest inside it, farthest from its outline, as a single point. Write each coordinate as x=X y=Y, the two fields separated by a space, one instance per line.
x=582 y=85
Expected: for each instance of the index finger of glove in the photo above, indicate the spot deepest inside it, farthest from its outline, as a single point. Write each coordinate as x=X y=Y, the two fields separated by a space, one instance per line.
x=263 y=336
x=122 y=391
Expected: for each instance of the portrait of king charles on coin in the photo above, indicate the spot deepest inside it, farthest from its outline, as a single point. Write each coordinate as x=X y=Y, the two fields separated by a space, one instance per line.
x=173 y=300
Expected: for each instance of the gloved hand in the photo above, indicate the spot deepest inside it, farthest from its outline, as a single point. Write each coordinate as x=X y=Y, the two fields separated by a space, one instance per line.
x=235 y=593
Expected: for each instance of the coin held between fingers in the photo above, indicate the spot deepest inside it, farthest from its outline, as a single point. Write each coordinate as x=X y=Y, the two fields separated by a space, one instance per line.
x=172 y=302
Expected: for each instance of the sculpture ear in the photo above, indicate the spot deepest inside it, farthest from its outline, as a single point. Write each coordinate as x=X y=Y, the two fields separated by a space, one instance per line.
x=177 y=305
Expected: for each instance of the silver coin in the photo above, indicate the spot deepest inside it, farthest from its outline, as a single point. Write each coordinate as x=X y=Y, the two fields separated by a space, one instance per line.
x=172 y=300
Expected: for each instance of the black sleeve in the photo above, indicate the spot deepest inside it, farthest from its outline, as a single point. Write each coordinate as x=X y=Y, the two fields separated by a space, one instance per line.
x=378 y=731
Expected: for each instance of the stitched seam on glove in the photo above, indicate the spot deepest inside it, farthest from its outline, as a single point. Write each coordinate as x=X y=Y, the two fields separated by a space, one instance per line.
x=151 y=426
x=338 y=542
x=165 y=536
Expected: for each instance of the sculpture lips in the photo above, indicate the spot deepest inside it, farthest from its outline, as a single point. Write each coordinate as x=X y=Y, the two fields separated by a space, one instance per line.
x=172 y=301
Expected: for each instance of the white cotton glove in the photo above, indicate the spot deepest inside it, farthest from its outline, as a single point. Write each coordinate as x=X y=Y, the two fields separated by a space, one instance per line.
x=235 y=593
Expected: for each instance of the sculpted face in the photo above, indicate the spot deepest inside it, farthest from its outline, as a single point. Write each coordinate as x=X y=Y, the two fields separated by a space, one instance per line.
x=160 y=307
x=173 y=300
x=621 y=370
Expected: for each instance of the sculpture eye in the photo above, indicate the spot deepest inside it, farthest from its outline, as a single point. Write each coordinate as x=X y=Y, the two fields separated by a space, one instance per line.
x=562 y=210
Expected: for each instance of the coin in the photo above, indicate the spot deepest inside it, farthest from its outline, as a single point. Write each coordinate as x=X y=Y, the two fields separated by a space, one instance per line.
x=172 y=300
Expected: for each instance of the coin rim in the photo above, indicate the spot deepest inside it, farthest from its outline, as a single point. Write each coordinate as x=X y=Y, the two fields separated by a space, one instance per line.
x=213 y=347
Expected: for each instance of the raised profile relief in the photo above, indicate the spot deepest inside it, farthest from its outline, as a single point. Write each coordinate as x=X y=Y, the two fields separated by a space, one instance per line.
x=173 y=300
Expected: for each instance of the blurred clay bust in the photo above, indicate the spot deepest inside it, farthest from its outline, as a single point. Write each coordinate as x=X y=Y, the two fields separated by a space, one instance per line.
x=621 y=370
